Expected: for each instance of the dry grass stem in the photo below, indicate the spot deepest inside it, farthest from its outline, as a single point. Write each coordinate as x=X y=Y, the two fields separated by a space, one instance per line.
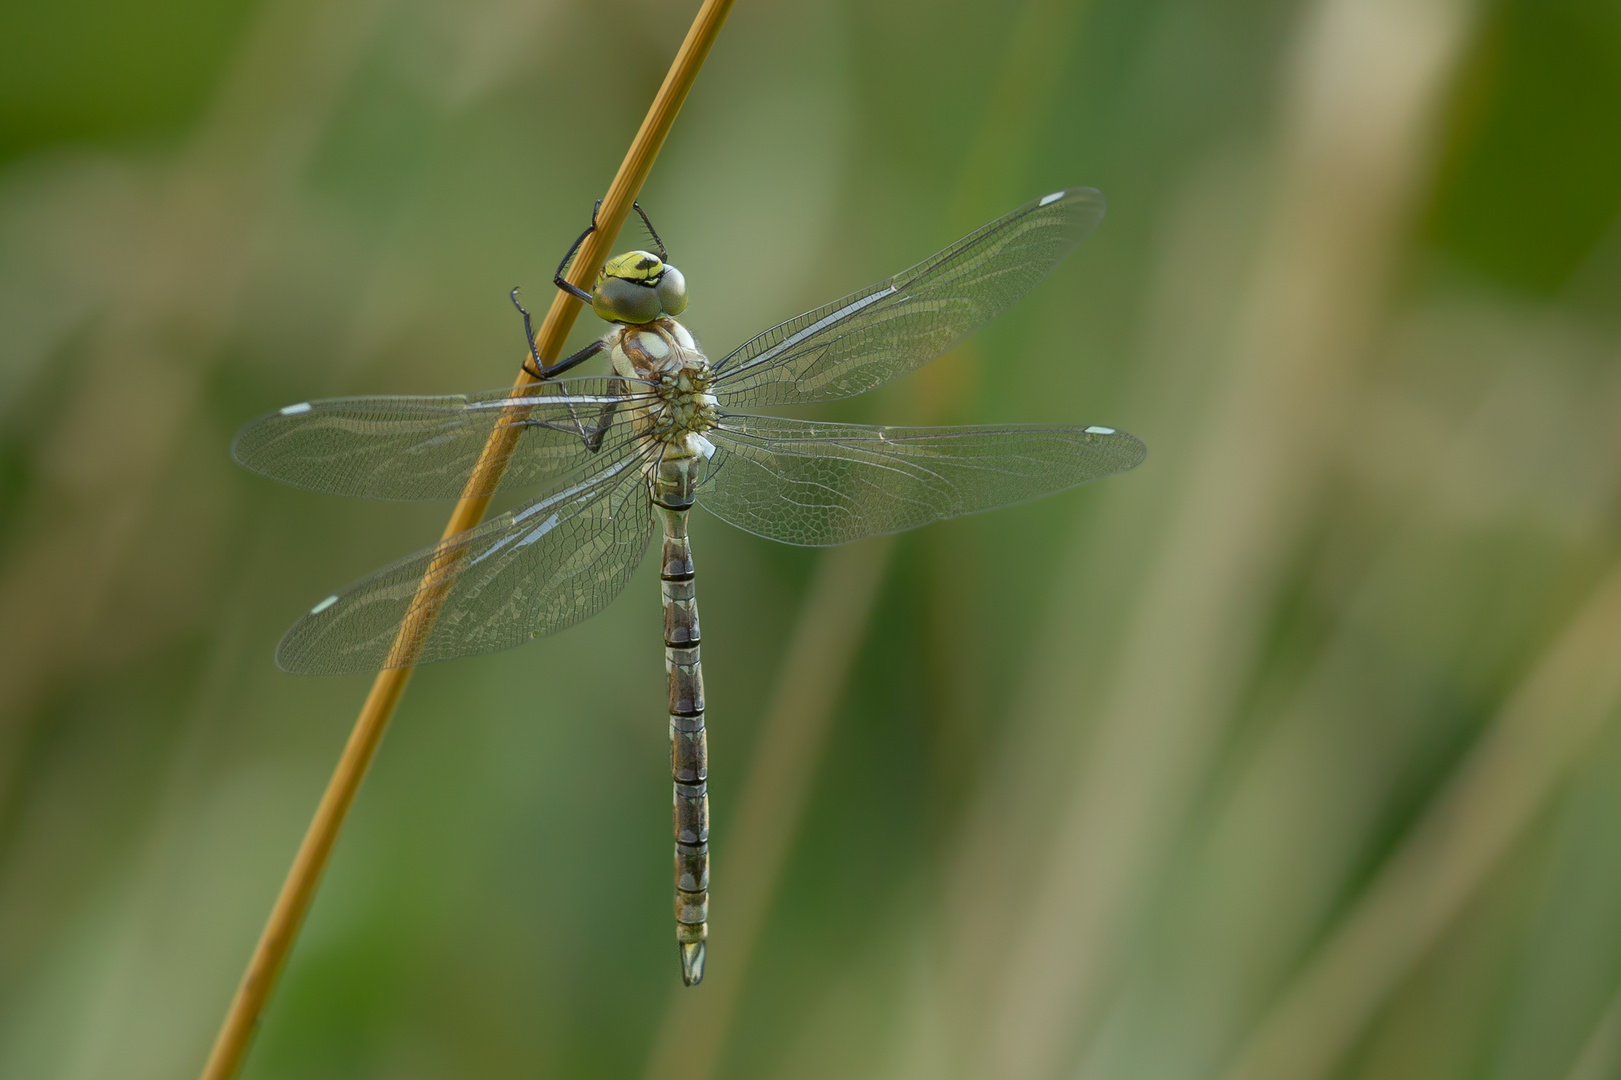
x=303 y=878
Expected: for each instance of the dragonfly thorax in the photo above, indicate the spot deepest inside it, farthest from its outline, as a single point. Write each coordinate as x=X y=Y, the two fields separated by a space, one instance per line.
x=663 y=355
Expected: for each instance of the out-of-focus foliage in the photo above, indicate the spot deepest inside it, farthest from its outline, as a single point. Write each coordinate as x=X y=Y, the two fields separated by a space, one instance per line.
x=1294 y=753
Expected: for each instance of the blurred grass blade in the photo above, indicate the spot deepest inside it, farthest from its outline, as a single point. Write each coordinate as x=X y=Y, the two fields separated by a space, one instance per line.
x=1600 y=1058
x=1494 y=795
x=1343 y=196
x=167 y=321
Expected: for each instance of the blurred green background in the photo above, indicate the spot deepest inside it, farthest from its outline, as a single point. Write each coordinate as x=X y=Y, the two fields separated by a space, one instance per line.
x=1292 y=754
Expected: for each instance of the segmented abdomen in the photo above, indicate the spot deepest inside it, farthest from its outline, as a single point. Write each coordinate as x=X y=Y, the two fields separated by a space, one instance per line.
x=689 y=750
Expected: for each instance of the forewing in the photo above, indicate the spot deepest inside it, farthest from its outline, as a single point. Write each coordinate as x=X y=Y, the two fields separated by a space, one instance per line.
x=533 y=571
x=427 y=447
x=799 y=482
x=896 y=326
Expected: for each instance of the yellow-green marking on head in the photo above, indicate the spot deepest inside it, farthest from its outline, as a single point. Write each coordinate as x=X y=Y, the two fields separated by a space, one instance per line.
x=638 y=287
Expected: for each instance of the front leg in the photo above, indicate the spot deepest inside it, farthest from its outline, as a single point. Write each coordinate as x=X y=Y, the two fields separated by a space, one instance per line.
x=554 y=370
x=564 y=283
x=533 y=365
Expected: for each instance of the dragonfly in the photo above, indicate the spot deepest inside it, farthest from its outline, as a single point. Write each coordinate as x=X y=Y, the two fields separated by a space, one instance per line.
x=621 y=457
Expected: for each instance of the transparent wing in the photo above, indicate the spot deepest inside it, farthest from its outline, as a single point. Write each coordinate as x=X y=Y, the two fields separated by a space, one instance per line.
x=810 y=483
x=535 y=570
x=896 y=326
x=426 y=447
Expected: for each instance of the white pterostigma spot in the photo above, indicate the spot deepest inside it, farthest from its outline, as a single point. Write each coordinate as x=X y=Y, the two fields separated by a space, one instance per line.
x=294 y=410
x=1050 y=199
x=328 y=602
x=1095 y=430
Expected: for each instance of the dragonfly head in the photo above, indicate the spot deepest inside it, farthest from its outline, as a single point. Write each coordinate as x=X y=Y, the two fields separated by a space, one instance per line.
x=638 y=287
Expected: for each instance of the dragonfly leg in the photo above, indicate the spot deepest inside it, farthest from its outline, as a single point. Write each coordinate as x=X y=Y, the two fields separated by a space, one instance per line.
x=575 y=360
x=562 y=282
x=593 y=439
x=664 y=256
x=532 y=365
x=528 y=337
x=574 y=290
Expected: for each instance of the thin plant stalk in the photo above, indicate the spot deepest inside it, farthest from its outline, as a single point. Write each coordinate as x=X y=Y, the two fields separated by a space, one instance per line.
x=298 y=890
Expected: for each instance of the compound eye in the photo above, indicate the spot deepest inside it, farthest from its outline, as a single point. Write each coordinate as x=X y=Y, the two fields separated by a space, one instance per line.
x=618 y=300
x=672 y=290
